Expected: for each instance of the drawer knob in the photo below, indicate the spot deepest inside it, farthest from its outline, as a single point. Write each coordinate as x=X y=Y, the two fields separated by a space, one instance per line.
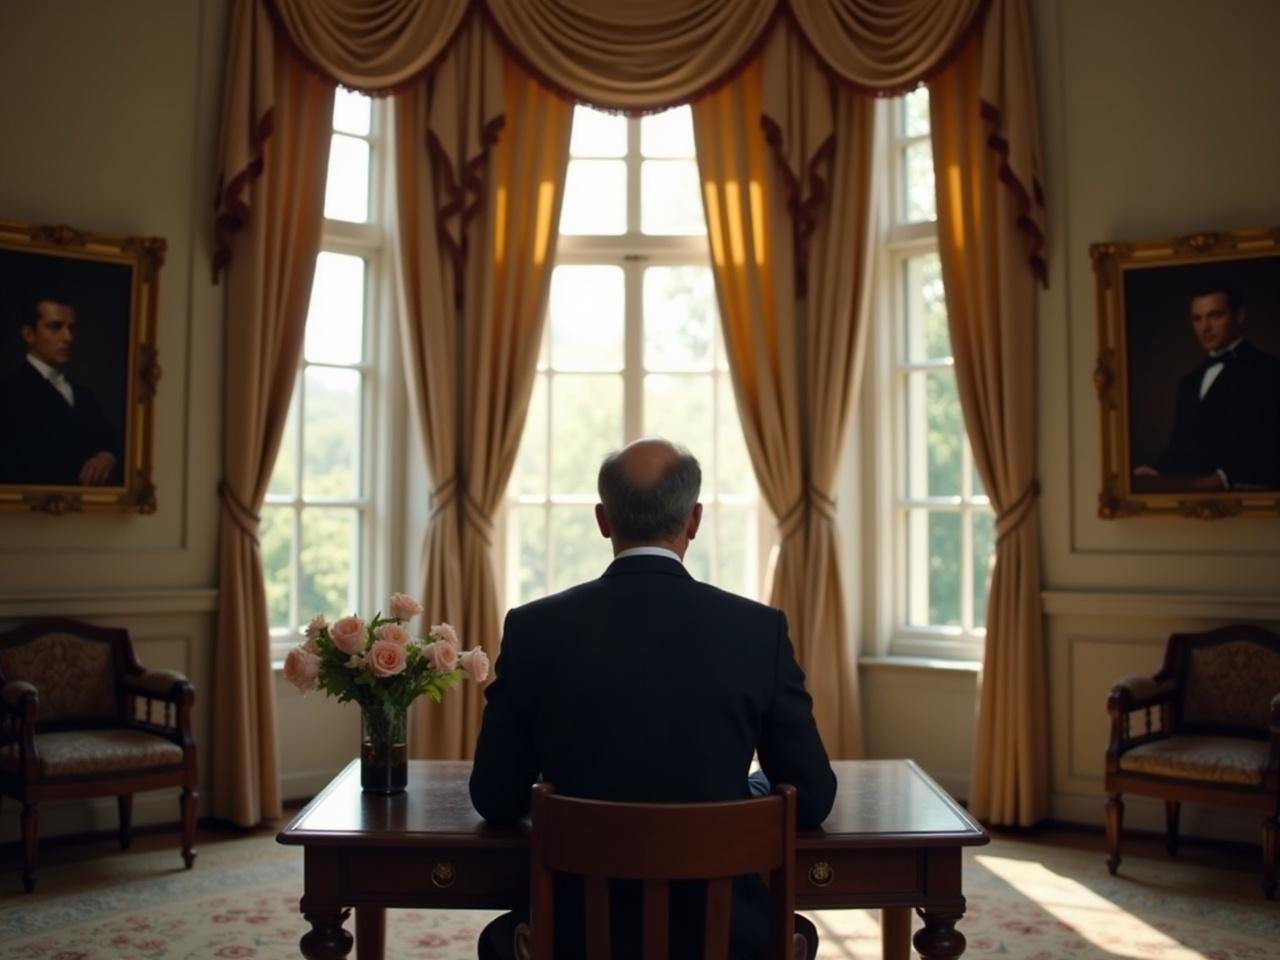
x=443 y=874
x=821 y=874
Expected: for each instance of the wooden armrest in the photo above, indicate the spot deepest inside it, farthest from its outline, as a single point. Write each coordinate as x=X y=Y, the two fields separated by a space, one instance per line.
x=1136 y=693
x=159 y=684
x=15 y=693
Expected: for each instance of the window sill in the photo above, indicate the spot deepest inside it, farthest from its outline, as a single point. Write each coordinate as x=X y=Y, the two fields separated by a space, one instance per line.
x=920 y=663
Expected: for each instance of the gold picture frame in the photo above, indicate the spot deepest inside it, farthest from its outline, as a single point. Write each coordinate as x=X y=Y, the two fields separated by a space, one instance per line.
x=1190 y=426
x=79 y=319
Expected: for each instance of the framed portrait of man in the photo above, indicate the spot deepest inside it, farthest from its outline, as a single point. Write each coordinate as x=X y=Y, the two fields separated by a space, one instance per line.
x=1188 y=375
x=78 y=369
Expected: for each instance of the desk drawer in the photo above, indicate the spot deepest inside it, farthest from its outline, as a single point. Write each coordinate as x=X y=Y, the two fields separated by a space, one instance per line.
x=468 y=877
x=869 y=875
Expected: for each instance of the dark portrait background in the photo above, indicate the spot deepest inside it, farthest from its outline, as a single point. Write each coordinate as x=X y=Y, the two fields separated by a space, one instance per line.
x=1161 y=346
x=99 y=293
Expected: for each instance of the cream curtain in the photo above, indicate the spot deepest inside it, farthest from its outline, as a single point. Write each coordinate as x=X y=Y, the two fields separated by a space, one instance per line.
x=984 y=242
x=268 y=288
x=477 y=232
x=795 y=357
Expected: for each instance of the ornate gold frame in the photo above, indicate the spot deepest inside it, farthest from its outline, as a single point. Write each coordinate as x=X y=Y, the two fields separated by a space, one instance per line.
x=1111 y=262
x=143 y=256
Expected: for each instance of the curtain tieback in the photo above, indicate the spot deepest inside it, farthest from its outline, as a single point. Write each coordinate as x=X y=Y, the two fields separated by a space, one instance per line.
x=793 y=518
x=479 y=520
x=238 y=511
x=443 y=497
x=1016 y=513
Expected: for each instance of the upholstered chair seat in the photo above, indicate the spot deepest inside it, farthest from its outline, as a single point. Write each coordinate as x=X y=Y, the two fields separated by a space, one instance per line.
x=82 y=718
x=1204 y=729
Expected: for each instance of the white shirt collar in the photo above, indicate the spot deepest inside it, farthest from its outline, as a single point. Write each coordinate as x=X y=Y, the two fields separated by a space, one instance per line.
x=44 y=369
x=648 y=552
x=1228 y=348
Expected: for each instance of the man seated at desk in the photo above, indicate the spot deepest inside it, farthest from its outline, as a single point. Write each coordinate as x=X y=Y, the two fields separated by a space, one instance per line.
x=647 y=686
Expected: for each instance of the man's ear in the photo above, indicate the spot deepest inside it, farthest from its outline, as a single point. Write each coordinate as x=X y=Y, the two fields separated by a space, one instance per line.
x=695 y=521
x=28 y=334
x=602 y=521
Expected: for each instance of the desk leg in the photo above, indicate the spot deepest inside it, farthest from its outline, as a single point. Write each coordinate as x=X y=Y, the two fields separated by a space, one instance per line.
x=371 y=932
x=939 y=939
x=326 y=940
x=895 y=933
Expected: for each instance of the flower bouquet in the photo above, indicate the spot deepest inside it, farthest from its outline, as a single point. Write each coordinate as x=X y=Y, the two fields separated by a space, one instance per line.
x=383 y=668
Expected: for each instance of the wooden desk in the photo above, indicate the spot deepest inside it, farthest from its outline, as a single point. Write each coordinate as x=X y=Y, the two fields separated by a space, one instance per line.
x=892 y=842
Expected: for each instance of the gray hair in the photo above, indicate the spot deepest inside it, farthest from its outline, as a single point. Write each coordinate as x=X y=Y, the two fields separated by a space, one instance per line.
x=657 y=511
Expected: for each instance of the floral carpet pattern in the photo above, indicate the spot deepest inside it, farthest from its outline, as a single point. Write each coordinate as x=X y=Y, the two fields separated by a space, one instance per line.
x=1025 y=902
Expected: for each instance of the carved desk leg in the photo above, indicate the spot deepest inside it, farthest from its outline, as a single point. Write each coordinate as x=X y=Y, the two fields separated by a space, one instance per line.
x=939 y=939
x=371 y=932
x=326 y=940
x=895 y=933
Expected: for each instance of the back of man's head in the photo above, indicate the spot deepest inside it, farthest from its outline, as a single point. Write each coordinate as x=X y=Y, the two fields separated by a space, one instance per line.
x=649 y=489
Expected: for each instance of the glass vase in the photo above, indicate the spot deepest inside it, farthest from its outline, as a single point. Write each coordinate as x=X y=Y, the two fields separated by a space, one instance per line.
x=384 y=755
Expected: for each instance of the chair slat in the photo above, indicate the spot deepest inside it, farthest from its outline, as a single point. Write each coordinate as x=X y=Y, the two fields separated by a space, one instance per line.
x=597 y=907
x=656 y=895
x=719 y=910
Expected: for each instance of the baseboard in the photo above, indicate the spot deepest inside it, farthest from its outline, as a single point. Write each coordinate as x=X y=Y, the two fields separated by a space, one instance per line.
x=98 y=815
x=302 y=785
x=1147 y=814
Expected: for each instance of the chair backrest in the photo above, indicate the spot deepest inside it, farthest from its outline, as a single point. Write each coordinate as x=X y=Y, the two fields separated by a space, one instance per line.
x=75 y=668
x=657 y=844
x=1227 y=677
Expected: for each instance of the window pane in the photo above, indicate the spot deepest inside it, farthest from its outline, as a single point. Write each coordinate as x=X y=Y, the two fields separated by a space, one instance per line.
x=915 y=113
x=975 y=479
x=331 y=433
x=679 y=409
x=984 y=544
x=935 y=435
x=284 y=473
x=578 y=552
x=927 y=335
x=586 y=423
x=346 y=192
x=933 y=568
x=531 y=552
x=530 y=475
x=597 y=134
x=734 y=559
x=735 y=476
x=667 y=134
x=698 y=558
x=595 y=198
x=919 y=201
x=275 y=533
x=587 y=314
x=670 y=198
x=679 y=318
x=335 y=316
x=351 y=112
x=330 y=556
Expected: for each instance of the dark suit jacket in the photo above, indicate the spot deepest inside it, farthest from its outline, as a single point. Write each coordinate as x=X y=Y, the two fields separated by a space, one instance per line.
x=44 y=440
x=1235 y=428
x=648 y=686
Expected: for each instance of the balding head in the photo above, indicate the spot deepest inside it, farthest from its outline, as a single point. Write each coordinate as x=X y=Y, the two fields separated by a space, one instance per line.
x=649 y=493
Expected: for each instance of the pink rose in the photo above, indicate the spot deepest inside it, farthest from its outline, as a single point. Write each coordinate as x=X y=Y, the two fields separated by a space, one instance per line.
x=475 y=664
x=347 y=634
x=392 y=633
x=404 y=607
x=301 y=669
x=446 y=633
x=442 y=656
x=386 y=659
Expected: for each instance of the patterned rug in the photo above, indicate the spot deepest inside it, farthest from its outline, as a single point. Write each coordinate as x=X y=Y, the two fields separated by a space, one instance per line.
x=1025 y=902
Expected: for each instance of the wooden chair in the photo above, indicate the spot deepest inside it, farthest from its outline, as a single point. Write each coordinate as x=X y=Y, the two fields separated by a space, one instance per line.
x=657 y=844
x=80 y=717
x=1208 y=732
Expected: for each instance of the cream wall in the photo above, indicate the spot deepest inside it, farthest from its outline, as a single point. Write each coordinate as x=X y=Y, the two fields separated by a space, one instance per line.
x=1157 y=119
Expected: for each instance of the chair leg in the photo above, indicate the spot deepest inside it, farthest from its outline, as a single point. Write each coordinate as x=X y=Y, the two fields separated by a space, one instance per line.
x=187 y=803
x=1270 y=854
x=1171 y=810
x=1115 y=822
x=124 y=803
x=30 y=843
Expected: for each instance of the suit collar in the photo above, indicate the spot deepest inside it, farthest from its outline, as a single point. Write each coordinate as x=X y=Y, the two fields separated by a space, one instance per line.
x=646 y=564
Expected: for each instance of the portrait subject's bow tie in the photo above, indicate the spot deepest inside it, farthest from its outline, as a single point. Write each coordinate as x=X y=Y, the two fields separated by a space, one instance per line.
x=1226 y=356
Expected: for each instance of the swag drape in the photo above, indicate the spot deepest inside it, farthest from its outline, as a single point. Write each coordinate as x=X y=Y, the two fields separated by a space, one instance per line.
x=792 y=180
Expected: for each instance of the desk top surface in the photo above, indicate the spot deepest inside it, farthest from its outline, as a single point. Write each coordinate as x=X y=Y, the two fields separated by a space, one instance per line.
x=879 y=803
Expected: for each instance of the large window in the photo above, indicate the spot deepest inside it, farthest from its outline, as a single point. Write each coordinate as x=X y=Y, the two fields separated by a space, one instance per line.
x=631 y=348
x=942 y=529
x=318 y=518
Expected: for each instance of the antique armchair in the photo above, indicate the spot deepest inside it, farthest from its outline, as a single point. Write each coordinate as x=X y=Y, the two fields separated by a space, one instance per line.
x=1204 y=729
x=80 y=717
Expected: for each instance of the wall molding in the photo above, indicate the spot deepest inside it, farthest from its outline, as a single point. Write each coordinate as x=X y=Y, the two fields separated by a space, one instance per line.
x=114 y=603
x=1147 y=604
